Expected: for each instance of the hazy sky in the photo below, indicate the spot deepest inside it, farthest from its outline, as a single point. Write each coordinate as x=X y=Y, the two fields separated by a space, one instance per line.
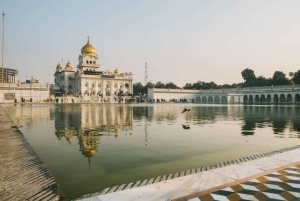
x=182 y=41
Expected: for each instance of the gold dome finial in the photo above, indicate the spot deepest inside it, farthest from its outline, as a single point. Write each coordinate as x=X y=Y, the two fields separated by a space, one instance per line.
x=88 y=48
x=68 y=65
x=116 y=71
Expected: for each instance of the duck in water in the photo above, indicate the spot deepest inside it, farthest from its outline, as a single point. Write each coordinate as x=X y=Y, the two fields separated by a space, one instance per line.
x=185 y=126
x=185 y=110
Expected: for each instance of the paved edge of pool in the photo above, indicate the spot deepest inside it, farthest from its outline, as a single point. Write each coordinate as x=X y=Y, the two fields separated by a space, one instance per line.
x=23 y=175
x=186 y=173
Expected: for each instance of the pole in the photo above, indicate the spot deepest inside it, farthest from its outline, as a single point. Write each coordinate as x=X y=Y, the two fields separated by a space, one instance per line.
x=3 y=47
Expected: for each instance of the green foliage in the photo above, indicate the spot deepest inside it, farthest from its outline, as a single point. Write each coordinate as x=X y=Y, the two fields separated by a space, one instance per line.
x=159 y=84
x=279 y=78
x=138 y=88
x=262 y=81
x=249 y=77
x=296 y=77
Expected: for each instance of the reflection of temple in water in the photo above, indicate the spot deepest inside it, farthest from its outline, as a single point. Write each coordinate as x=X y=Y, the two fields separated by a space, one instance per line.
x=89 y=122
x=28 y=115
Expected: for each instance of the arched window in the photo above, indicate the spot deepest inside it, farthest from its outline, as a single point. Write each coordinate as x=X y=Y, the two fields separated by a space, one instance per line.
x=87 y=61
x=94 y=62
x=90 y=62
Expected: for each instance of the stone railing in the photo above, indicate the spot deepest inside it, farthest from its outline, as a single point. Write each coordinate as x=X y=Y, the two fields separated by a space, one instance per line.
x=230 y=90
x=25 y=85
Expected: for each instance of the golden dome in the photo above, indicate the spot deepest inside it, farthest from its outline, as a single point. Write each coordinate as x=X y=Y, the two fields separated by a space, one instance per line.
x=88 y=48
x=68 y=65
x=117 y=71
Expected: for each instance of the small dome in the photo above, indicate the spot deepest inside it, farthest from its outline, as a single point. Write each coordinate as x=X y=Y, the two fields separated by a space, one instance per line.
x=88 y=48
x=58 y=67
x=68 y=65
x=117 y=71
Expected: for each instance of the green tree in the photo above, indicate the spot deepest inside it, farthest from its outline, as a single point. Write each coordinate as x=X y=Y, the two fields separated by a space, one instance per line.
x=159 y=84
x=262 y=81
x=187 y=86
x=296 y=77
x=249 y=77
x=279 y=78
x=138 y=88
x=171 y=85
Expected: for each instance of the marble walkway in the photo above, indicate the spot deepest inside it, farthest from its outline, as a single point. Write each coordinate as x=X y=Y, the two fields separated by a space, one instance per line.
x=274 y=176
x=23 y=176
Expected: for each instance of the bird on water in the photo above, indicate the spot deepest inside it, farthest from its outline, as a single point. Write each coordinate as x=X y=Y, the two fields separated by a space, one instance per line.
x=185 y=110
x=185 y=126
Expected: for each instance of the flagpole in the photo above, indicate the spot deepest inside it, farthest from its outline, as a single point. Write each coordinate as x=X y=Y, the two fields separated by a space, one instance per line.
x=3 y=48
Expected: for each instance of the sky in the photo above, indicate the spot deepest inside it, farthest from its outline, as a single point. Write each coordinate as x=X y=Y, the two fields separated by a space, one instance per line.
x=183 y=41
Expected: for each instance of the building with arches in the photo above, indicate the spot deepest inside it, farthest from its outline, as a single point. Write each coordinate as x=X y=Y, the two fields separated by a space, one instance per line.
x=88 y=80
x=286 y=94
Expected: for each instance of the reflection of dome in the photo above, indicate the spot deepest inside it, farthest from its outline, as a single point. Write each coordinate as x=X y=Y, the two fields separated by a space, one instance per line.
x=117 y=71
x=69 y=139
x=88 y=48
x=117 y=131
x=68 y=65
x=89 y=153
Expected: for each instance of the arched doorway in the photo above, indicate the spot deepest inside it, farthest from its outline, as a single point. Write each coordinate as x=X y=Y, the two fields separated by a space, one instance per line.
x=231 y=100
x=262 y=98
x=223 y=99
x=210 y=99
x=256 y=98
x=198 y=99
x=297 y=98
x=275 y=98
x=204 y=99
x=245 y=99
x=250 y=99
x=269 y=98
x=217 y=99
x=282 y=98
x=289 y=98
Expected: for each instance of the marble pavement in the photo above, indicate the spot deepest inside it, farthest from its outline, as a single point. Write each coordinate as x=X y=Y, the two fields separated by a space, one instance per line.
x=212 y=179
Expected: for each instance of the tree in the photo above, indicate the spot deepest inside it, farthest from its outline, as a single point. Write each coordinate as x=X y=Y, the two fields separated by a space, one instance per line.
x=187 y=86
x=279 y=78
x=171 y=85
x=296 y=77
x=262 y=81
x=138 y=88
x=159 y=84
x=249 y=77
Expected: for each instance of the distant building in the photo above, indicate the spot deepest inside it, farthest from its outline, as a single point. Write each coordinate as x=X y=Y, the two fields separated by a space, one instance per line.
x=10 y=75
x=87 y=80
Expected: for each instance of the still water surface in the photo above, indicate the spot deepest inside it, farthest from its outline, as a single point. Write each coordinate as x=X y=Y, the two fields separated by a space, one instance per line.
x=89 y=147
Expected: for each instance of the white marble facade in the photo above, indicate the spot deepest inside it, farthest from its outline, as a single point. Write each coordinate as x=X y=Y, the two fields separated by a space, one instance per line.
x=88 y=80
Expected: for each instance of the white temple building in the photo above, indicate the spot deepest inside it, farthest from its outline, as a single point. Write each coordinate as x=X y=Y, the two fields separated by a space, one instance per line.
x=88 y=80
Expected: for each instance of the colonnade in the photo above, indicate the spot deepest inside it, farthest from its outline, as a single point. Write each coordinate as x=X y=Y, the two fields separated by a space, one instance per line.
x=281 y=97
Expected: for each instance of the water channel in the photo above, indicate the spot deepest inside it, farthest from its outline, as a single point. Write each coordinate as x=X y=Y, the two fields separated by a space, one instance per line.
x=89 y=147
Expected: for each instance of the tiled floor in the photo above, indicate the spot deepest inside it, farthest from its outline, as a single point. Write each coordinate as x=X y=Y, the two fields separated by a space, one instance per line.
x=281 y=185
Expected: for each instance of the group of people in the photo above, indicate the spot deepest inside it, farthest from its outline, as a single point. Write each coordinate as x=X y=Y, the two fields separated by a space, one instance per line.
x=23 y=100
